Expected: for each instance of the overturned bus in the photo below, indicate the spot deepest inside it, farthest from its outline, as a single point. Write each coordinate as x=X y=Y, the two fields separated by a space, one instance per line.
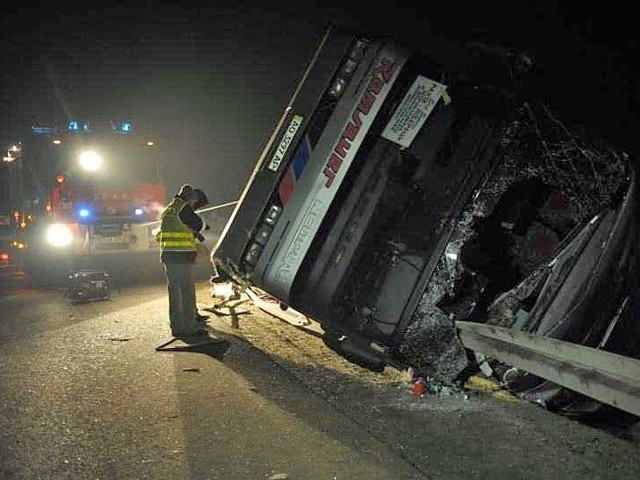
x=398 y=195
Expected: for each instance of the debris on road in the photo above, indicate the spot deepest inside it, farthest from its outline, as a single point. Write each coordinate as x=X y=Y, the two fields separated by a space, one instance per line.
x=419 y=387
x=191 y=369
x=279 y=476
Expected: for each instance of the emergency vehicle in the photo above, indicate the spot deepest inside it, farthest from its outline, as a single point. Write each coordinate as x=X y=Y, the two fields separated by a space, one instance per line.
x=89 y=189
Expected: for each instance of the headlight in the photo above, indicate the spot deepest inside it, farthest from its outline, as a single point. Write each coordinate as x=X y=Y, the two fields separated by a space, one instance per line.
x=59 y=235
x=223 y=290
x=349 y=65
x=339 y=84
x=90 y=161
x=272 y=215
x=263 y=233
x=253 y=252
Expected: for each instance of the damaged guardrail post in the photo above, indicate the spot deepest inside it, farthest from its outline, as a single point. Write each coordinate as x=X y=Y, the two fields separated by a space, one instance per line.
x=604 y=376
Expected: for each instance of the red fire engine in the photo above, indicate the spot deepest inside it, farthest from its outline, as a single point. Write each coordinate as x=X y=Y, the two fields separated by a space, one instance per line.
x=89 y=189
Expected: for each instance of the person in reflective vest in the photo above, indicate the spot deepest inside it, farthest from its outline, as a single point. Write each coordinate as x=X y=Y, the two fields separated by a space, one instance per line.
x=179 y=228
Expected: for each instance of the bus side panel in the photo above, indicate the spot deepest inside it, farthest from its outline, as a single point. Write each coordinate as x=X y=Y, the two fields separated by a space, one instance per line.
x=258 y=193
x=331 y=162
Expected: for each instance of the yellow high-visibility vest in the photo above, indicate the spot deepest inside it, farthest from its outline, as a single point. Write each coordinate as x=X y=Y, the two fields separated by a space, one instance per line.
x=175 y=236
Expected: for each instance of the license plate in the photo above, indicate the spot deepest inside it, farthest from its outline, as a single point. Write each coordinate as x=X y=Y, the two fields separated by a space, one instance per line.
x=111 y=240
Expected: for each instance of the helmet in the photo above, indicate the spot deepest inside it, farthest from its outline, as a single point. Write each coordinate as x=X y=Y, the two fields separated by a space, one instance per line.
x=201 y=198
x=187 y=193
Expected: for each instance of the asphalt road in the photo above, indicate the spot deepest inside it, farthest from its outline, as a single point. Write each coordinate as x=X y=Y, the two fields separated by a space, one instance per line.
x=84 y=394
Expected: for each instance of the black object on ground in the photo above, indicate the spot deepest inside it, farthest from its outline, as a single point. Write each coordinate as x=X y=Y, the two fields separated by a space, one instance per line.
x=88 y=286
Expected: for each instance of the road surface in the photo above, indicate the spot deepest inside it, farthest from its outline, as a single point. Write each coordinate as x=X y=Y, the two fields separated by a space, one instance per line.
x=84 y=395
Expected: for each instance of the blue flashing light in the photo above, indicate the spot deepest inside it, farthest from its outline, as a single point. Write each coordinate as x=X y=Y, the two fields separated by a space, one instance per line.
x=43 y=130
x=126 y=127
x=73 y=126
x=84 y=213
x=138 y=211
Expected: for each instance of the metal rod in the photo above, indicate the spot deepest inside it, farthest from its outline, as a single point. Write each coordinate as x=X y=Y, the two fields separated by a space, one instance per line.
x=203 y=210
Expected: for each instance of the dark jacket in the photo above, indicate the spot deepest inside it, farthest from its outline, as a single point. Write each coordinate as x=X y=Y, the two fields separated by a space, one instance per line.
x=192 y=220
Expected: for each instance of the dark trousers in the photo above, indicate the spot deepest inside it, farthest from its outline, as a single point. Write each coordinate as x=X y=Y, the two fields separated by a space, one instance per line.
x=182 y=298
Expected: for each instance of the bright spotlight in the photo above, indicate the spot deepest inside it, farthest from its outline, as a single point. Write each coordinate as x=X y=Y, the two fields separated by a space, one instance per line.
x=138 y=211
x=59 y=235
x=90 y=161
x=223 y=290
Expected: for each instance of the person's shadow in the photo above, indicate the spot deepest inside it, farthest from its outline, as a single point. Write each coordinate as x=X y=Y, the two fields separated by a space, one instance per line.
x=215 y=347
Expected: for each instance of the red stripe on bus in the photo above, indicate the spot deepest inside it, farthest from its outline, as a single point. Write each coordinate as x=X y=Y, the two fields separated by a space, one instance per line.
x=286 y=186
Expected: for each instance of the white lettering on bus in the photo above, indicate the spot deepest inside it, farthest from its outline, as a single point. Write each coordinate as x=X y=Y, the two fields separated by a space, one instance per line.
x=380 y=77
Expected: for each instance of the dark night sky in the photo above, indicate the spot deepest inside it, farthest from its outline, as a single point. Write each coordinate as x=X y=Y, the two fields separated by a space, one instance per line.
x=210 y=83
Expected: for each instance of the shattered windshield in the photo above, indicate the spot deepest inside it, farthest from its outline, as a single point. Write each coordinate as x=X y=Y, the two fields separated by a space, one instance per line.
x=546 y=183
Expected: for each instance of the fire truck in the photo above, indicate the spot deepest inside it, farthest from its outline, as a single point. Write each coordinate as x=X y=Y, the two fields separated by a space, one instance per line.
x=90 y=189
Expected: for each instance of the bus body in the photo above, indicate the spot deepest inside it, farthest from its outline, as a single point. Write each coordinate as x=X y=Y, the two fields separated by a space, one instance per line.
x=364 y=197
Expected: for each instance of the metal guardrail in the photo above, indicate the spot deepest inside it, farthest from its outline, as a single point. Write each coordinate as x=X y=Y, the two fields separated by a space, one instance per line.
x=604 y=376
